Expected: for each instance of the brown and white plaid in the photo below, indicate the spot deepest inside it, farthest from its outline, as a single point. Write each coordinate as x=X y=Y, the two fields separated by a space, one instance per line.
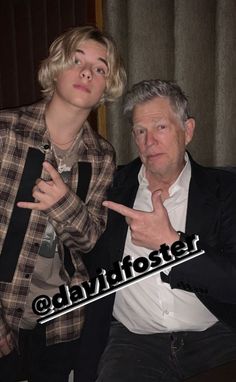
x=78 y=225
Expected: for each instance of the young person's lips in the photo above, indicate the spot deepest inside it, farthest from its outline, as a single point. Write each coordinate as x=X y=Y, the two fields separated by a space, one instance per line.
x=82 y=87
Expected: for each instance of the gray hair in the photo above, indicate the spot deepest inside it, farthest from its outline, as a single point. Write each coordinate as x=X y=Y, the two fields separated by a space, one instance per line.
x=147 y=90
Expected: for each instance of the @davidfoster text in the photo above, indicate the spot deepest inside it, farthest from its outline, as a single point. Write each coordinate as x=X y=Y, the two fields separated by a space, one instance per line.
x=123 y=273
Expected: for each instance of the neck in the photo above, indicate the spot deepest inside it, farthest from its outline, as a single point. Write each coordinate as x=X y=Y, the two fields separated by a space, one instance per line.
x=162 y=182
x=64 y=123
x=159 y=184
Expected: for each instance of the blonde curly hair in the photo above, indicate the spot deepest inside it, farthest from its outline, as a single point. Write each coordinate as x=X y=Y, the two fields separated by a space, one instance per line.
x=60 y=57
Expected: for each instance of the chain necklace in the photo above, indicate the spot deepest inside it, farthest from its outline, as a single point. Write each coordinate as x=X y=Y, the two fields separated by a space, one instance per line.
x=68 y=154
x=64 y=144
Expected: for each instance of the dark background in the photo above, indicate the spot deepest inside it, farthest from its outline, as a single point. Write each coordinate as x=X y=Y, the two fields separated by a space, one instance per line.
x=27 y=28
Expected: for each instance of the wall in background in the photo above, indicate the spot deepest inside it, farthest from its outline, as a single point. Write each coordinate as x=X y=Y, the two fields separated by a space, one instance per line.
x=192 y=42
x=27 y=28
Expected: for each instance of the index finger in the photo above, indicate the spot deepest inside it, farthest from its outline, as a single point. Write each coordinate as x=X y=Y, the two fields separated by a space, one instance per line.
x=121 y=209
x=52 y=172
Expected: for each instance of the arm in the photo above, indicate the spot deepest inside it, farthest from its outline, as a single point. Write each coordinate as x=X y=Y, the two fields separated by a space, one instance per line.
x=6 y=343
x=6 y=340
x=214 y=272
x=208 y=274
x=77 y=224
x=80 y=224
x=3 y=137
x=148 y=229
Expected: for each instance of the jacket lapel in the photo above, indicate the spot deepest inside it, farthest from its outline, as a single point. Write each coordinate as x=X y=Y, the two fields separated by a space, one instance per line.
x=203 y=206
x=124 y=191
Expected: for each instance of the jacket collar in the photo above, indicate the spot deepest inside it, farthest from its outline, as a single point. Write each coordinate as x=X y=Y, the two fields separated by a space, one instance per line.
x=203 y=203
x=203 y=206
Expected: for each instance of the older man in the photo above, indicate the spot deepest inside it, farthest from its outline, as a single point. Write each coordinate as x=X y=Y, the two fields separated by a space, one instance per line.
x=180 y=322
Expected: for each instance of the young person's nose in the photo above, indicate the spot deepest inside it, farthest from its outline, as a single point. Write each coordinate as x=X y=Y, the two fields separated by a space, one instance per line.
x=86 y=73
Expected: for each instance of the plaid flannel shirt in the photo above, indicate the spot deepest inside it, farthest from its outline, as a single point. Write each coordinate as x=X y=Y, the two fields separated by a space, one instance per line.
x=78 y=225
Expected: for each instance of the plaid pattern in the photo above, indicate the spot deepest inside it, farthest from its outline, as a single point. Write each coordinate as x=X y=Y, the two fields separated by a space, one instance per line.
x=77 y=224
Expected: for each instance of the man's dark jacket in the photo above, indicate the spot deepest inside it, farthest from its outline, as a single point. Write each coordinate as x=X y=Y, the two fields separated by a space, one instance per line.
x=211 y=213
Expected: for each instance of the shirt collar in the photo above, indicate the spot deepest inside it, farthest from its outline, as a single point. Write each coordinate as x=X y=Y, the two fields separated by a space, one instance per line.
x=33 y=121
x=181 y=184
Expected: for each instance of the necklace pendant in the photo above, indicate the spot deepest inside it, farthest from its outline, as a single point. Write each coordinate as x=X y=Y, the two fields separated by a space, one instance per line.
x=63 y=168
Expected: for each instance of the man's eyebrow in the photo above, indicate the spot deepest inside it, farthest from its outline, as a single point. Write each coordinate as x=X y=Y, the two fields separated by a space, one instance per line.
x=99 y=58
x=137 y=126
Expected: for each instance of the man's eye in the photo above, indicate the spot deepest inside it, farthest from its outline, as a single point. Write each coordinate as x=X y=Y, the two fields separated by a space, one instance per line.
x=139 y=132
x=161 y=127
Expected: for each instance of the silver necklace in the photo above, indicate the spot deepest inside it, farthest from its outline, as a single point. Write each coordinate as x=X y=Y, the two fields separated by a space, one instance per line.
x=62 y=166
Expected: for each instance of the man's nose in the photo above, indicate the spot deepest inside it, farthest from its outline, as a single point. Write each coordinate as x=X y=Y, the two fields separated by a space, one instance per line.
x=150 y=139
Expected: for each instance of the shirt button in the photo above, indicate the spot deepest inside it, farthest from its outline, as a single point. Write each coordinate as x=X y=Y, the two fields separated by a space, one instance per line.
x=36 y=245
x=27 y=275
x=166 y=312
x=19 y=310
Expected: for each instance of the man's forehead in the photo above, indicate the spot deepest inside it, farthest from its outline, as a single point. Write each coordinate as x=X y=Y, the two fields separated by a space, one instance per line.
x=153 y=111
x=150 y=119
x=150 y=116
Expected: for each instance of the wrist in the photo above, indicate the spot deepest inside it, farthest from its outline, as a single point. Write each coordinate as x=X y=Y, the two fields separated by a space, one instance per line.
x=174 y=237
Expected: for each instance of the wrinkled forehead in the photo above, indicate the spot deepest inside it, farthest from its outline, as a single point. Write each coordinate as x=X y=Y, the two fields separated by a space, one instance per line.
x=156 y=109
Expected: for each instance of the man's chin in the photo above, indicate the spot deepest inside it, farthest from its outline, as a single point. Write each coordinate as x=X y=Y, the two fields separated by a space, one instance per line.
x=156 y=162
x=156 y=170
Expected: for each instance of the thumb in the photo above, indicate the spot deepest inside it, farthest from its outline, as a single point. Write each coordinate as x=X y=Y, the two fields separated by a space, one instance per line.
x=156 y=200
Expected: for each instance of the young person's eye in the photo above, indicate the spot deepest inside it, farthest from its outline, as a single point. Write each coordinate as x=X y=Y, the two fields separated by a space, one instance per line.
x=77 y=61
x=101 y=71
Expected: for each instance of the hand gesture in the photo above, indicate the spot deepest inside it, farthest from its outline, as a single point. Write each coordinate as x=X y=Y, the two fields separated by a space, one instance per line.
x=46 y=193
x=148 y=229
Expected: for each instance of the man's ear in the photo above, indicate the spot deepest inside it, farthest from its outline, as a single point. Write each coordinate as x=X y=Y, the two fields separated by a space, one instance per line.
x=189 y=130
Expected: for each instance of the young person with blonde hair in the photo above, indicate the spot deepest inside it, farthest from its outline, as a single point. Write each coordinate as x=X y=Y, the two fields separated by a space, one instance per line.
x=54 y=173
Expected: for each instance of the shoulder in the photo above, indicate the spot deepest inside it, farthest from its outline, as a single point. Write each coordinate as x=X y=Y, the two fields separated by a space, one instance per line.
x=215 y=179
x=11 y=117
x=127 y=173
x=227 y=182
